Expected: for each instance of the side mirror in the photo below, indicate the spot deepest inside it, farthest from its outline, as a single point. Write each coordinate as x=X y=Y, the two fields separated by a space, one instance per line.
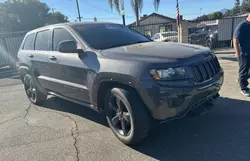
x=68 y=46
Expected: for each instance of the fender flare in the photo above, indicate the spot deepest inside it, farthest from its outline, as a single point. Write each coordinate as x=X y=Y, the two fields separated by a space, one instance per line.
x=26 y=70
x=110 y=77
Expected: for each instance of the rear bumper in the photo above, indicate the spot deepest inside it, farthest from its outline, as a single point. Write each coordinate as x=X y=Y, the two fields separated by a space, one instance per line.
x=166 y=103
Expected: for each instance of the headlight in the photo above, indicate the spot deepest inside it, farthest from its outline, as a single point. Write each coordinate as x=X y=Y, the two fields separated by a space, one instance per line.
x=169 y=74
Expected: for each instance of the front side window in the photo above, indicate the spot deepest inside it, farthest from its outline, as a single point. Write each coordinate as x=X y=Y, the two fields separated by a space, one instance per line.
x=42 y=40
x=104 y=36
x=29 y=42
x=60 y=35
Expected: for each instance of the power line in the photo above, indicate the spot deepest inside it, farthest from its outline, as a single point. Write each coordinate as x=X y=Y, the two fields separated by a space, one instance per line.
x=104 y=10
x=99 y=7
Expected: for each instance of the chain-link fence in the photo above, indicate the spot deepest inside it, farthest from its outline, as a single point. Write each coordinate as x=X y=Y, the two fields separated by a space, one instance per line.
x=9 y=46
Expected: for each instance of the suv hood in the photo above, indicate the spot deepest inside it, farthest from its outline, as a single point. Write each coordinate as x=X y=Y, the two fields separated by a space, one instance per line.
x=155 y=51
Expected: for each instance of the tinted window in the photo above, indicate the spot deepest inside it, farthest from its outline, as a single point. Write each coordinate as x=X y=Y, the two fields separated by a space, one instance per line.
x=104 y=36
x=42 y=40
x=60 y=35
x=29 y=42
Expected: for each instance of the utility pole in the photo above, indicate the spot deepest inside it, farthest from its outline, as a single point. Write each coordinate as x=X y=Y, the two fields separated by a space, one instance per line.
x=123 y=17
x=78 y=10
x=123 y=12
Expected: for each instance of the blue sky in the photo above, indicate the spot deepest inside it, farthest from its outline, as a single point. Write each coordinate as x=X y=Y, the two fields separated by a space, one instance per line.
x=100 y=8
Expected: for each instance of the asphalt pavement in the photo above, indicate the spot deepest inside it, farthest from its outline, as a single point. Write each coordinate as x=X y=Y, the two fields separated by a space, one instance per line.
x=63 y=131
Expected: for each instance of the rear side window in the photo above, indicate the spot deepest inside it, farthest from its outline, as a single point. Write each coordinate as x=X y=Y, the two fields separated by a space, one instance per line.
x=42 y=40
x=29 y=42
x=61 y=34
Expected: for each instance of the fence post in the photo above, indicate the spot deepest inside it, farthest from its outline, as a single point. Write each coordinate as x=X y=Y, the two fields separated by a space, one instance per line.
x=232 y=31
x=183 y=32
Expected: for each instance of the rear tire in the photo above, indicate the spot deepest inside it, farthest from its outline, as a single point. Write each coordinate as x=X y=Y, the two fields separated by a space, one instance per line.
x=133 y=114
x=32 y=91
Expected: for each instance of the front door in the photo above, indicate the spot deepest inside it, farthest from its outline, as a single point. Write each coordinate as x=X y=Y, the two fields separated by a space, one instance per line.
x=68 y=71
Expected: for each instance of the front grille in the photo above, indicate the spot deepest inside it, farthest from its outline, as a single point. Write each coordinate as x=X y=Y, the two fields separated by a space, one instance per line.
x=206 y=70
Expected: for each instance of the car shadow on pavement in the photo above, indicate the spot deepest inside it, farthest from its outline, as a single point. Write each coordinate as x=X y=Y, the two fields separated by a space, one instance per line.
x=223 y=134
x=59 y=104
x=229 y=58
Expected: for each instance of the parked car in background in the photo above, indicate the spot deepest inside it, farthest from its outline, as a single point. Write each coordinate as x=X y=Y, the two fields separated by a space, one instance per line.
x=170 y=36
x=204 y=36
x=111 y=68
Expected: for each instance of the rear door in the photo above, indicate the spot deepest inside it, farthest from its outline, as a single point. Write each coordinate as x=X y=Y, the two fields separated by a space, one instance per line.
x=68 y=71
x=37 y=48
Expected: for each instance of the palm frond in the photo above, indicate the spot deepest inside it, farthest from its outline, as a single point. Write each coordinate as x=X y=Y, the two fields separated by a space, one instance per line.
x=116 y=5
x=156 y=4
x=140 y=5
x=110 y=4
x=122 y=4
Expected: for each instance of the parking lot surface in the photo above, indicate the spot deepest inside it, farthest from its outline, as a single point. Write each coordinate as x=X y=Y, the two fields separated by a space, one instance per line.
x=63 y=131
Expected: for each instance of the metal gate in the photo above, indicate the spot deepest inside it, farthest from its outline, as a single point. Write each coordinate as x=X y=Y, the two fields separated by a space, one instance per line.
x=9 y=46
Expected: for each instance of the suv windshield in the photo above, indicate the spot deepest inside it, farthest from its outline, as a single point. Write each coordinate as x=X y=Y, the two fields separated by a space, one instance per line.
x=104 y=36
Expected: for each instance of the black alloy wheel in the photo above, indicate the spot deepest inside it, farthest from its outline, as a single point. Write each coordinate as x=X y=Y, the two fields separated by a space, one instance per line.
x=30 y=88
x=35 y=95
x=126 y=115
x=119 y=116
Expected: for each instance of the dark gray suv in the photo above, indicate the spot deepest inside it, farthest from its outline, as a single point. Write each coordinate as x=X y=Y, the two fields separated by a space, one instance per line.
x=110 y=68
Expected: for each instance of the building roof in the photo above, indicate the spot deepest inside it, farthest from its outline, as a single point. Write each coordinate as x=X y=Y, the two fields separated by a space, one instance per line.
x=153 y=14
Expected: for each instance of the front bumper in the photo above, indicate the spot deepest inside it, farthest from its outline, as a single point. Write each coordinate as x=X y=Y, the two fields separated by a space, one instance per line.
x=166 y=102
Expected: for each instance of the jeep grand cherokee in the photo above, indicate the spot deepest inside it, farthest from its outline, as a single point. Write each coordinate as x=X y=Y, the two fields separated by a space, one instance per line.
x=110 y=68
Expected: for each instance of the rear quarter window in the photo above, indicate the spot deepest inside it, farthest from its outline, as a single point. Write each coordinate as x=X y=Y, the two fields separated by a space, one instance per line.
x=29 y=42
x=42 y=40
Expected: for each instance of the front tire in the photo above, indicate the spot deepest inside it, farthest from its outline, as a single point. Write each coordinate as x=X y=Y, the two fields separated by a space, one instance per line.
x=32 y=91
x=126 y=116
x=209 y=43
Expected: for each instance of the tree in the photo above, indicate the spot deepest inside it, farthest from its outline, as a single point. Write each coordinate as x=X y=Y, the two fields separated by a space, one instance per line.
x=137 y=6
x=25 y=15
x=245 y=6
x=56 y=17
x=228 y=13
x=236 y=9
x=202 y=18
x=215 y=15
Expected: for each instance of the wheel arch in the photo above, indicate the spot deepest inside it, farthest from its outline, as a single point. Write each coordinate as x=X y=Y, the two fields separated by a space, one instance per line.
x=110 y=80
x=23 y=70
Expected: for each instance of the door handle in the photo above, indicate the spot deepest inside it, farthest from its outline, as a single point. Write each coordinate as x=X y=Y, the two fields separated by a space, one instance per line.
x=31 y=55
x=52 y=58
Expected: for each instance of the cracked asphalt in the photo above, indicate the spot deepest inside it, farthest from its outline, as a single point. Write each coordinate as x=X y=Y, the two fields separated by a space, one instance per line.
x=63 y=131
